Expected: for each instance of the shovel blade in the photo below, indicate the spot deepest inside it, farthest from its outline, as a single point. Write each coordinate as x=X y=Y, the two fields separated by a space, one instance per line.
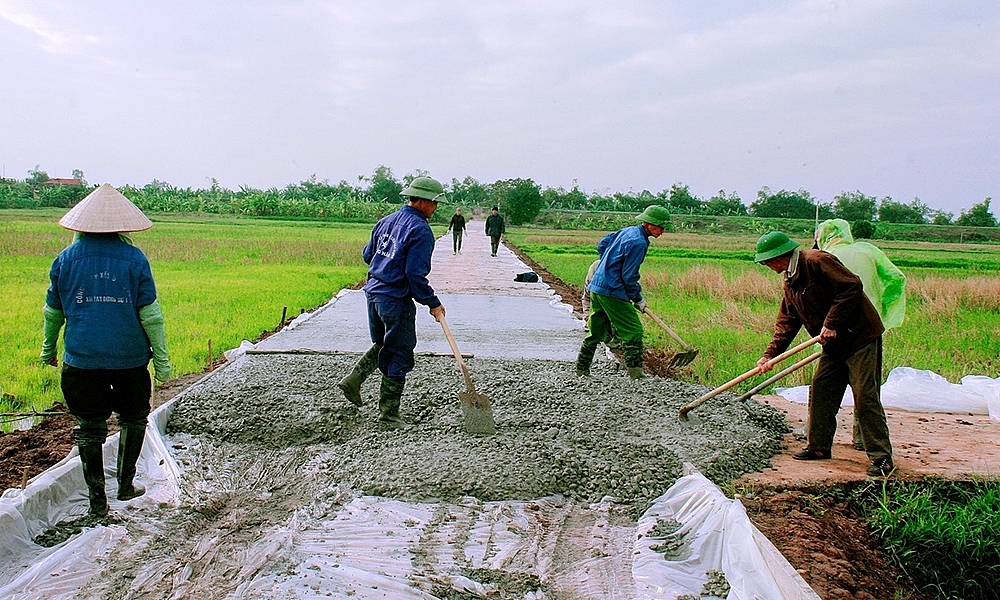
x=683 y=358
x=477 y=412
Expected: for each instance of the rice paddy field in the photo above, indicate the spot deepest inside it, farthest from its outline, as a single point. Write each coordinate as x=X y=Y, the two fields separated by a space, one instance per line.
x=222 y=280
x=228 y=279
x=709 y=290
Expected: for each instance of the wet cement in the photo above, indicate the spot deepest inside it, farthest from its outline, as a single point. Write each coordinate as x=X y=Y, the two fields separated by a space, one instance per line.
x=584 y=438
x=274 y=460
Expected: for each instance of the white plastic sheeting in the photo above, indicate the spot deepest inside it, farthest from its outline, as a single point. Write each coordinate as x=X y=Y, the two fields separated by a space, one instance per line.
x=59 y=494
x=377 y=547
x=918 y=390
x=371 y=547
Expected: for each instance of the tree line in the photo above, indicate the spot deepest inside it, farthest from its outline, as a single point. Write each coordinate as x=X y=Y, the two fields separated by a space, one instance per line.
x=522 y=200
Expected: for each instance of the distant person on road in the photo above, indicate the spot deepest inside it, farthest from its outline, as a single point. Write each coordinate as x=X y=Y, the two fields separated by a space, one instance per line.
x=457 y=227
x=883 y=282
x=615 y=294
x=102 y=289
x=825 y=297
x=495 y=228
x=399 y=259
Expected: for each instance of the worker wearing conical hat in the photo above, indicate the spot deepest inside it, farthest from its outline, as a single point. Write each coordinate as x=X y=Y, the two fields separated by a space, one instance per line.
x=102 y=289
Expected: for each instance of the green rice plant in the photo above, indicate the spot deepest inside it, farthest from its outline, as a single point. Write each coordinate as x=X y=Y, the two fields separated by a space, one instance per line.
x=217 y=280
x=945 y=535
x=707 y=288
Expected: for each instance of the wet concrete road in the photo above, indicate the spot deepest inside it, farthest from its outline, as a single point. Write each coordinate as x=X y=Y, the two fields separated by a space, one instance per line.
x=490 y=314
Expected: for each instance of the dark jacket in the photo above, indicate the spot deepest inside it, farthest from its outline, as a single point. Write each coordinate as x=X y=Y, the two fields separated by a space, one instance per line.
x=823 y=292
x=100 y=282
x=399 y=257
x=457 y=223
x=495 y=226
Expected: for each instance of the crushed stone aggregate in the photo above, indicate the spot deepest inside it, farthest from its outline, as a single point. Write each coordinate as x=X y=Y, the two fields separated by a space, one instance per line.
x=557 y=434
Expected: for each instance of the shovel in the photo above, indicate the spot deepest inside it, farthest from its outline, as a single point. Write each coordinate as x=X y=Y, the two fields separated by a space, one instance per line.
x=681 y=358
x=694 y=404
x=475 y=406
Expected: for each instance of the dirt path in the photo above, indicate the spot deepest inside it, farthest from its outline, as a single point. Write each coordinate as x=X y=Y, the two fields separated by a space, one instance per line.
x=948 y=445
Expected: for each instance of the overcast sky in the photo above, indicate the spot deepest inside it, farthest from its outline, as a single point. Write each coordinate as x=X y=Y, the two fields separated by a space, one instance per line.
x=895 y=98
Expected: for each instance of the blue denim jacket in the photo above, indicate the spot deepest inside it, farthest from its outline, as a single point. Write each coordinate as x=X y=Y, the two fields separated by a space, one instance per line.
x=100 y=282
x=399 y=257
x=621 y=253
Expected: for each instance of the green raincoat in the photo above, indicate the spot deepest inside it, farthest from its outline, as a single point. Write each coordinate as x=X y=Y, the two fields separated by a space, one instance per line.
x=883 y=282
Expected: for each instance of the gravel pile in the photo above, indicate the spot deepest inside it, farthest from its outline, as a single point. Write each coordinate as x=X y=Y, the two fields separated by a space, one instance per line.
x=556 y=433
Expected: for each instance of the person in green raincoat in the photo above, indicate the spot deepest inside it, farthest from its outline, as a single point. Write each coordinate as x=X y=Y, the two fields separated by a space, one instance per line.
x=883 y=282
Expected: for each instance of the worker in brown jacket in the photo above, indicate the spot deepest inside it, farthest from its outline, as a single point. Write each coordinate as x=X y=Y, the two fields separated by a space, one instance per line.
x=822 y=295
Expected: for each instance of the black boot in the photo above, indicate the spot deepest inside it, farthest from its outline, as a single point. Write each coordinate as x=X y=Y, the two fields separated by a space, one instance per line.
x=584 y=359
x=92 y=458
x=633 y=359
x=390 y=393
x=351 y=385
x=129 y=448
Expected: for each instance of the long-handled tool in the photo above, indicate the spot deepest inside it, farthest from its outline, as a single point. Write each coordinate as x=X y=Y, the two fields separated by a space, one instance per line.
x=475 y=406
x=694 y=404
x=681 y=358
x=779 y=375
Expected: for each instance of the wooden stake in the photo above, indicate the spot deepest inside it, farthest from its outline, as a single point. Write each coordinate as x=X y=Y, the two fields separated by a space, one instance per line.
x=209 y=354
x=24 y=477
x=284 y=315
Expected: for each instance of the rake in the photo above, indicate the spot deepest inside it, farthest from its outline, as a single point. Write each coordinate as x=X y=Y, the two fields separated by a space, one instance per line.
x=681 y=358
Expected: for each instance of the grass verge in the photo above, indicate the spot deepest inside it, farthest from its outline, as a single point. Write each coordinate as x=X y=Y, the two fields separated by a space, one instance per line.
x=945 y=535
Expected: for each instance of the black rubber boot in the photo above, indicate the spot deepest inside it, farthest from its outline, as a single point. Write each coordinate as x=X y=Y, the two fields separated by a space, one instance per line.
x=390 y=394
x=351 y=385
x=584 y=359
x=92 y=458
x=129 y=448
x=633 y=359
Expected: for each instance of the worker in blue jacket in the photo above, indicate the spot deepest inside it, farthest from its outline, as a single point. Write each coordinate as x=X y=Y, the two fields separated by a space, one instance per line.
x=399 y=260
x=102 y=289
x=615 y=294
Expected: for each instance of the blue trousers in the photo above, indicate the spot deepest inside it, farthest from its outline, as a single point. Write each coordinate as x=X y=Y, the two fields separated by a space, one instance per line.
x=392 y=323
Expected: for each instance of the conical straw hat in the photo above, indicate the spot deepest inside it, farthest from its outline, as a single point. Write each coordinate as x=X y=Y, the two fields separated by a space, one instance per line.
x=105 y=210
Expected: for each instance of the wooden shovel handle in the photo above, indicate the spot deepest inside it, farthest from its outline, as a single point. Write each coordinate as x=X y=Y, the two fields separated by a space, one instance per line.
x=457 y=353
x=694 y=404
x=659 y=321
x=780 y=375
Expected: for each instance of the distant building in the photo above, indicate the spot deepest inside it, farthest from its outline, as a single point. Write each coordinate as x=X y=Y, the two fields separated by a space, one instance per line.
x=67 y=181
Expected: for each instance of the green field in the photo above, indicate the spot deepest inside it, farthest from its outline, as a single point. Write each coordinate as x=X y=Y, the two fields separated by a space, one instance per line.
x=220 y=280
x=226 y=279
x=713 y=295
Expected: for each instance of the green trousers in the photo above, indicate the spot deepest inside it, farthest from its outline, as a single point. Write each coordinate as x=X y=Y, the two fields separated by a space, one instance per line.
x=863 y=372
x=611 y=318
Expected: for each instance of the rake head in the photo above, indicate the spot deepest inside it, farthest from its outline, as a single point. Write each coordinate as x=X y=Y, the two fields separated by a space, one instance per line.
x=683 y=358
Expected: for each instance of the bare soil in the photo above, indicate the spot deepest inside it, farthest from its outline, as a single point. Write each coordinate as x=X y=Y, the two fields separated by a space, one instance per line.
x=799 y=505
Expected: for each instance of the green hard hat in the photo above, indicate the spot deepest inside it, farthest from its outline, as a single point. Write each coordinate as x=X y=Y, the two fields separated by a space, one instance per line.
x=655 y=215
x=426 y=188
x=773 y=244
